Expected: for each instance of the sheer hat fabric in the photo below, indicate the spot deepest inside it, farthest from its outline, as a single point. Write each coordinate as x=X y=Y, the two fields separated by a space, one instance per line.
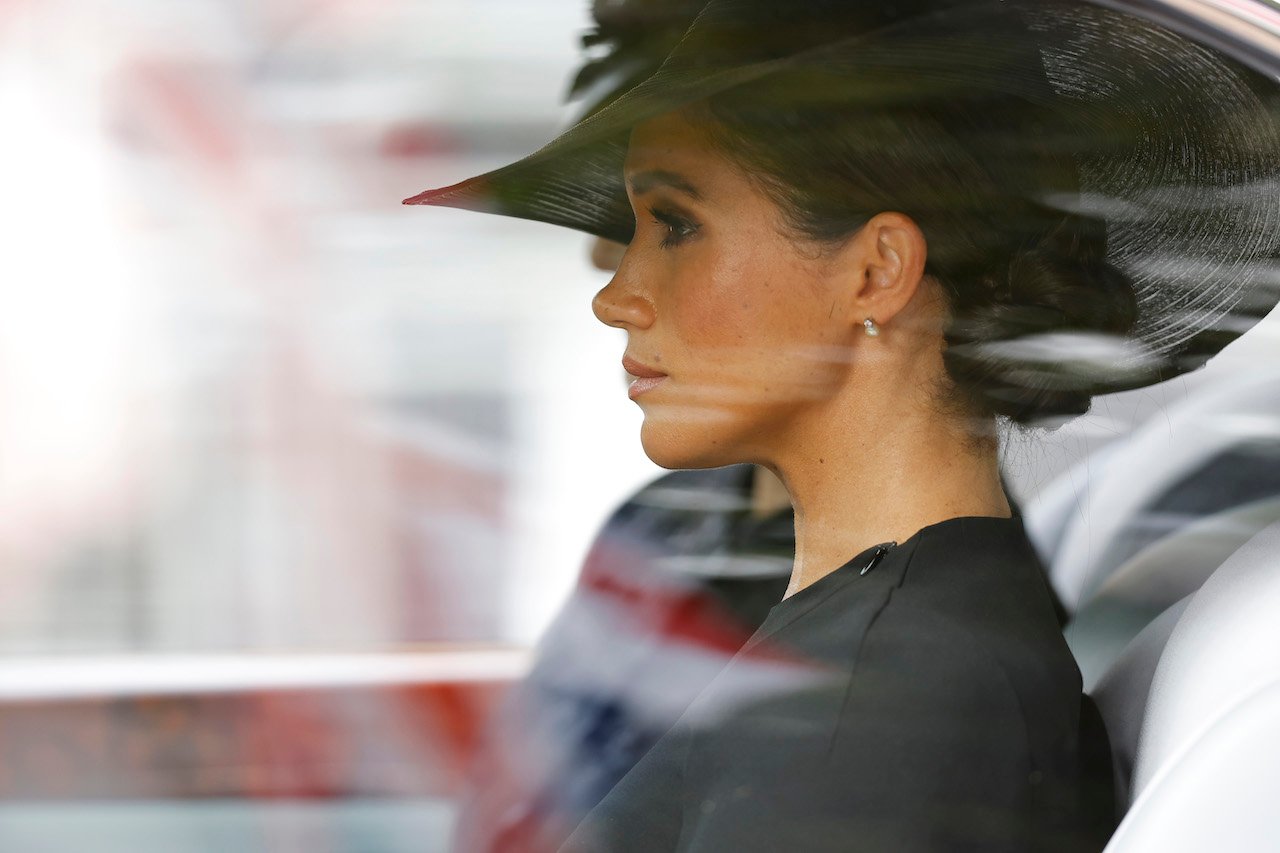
x=1171 y=144
x=629 y=40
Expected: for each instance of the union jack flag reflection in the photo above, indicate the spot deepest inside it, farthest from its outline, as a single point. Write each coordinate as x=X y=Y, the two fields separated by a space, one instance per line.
x=677 y=581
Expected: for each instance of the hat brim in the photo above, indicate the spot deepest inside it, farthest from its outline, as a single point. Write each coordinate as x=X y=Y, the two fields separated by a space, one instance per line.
x=1178 y=154
x=576 y=180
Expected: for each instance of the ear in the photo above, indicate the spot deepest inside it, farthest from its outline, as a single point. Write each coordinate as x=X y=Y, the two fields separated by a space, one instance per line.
x=887 y=258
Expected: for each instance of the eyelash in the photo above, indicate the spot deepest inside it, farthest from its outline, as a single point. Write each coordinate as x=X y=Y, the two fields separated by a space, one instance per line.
x=678 y=228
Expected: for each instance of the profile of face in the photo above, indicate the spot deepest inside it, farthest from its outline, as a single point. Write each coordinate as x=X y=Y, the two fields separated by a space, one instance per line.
x=742 y=336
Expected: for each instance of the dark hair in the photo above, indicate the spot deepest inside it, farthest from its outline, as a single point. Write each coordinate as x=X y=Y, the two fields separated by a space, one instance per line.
x=983 y=177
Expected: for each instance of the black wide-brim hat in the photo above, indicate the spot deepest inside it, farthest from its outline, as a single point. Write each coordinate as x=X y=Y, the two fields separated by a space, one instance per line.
x=1177 y=146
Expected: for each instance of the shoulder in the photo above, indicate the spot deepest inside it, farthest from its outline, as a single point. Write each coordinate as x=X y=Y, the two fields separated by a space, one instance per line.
x=928 y=672
x=964 y=680
x=970 y=618
x=937 y=729
x=919 y=745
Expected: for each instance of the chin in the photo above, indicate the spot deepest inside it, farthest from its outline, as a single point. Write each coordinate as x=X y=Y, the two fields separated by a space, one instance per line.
x=687 y=442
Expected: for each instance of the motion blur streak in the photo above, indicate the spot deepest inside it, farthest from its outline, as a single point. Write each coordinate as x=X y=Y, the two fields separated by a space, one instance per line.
x=274 y=482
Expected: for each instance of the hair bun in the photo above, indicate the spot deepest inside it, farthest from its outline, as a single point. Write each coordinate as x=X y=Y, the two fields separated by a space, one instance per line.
x=1048 y=329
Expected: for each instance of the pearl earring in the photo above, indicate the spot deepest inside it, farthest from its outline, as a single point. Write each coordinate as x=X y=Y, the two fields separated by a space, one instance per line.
x=870 y=327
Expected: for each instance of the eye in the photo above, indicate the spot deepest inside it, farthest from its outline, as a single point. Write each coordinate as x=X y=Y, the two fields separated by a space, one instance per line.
x=678 y=229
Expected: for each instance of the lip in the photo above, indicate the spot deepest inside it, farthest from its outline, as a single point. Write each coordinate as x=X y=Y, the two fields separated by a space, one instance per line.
x=639 y=370
x=646 y=378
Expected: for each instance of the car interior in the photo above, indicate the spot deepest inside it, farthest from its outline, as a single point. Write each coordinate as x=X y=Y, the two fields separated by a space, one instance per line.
x=1172 y=605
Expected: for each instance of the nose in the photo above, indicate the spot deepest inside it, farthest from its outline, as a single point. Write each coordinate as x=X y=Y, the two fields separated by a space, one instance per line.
x=615 y=307
x=621 y=304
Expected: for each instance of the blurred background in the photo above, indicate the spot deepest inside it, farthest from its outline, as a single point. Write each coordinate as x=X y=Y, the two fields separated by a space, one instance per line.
x=265 y=428
x=250 y=400
x=292 y=476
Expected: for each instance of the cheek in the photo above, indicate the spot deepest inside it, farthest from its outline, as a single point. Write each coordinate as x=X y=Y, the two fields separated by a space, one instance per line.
x=750 y=306
x=727 y=300
x=748 y=340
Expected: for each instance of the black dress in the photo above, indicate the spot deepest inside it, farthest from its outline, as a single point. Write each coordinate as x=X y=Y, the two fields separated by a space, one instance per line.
x=920 y=697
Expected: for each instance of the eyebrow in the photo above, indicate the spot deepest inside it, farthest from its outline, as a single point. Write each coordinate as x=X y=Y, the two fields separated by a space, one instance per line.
x=643 y=182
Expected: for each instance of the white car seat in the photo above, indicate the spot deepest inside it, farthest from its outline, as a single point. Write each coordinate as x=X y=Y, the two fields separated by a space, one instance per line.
x=1218 y=449
x=1153 y=579
x=1206 y=767
x=1121 y=694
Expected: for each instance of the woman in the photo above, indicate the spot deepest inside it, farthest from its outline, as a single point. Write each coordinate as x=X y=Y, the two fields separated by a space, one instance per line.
x=684 y=571
x=858 y=236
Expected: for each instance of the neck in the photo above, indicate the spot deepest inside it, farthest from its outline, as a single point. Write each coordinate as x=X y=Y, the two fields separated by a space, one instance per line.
x=768 y=495
x=850 y=495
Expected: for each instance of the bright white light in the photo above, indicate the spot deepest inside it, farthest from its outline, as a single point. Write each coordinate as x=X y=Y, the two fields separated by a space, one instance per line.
x=67 y=305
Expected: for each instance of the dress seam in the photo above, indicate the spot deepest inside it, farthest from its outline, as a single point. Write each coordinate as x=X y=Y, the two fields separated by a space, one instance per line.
x=862 y=642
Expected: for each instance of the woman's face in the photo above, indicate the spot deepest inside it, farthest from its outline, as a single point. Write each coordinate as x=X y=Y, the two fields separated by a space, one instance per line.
x=738 y=331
